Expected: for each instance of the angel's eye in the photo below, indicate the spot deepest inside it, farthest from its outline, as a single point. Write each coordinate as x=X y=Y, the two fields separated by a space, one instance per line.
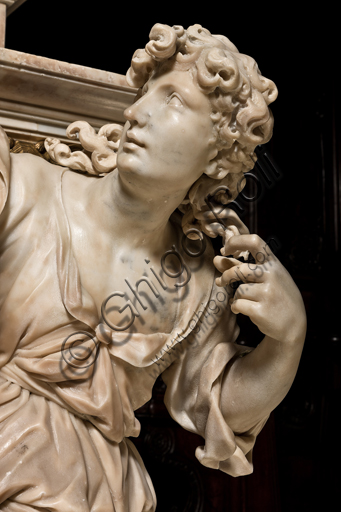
x=174 y=100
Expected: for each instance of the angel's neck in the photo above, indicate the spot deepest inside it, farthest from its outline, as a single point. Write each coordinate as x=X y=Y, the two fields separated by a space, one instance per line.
x=130 y=215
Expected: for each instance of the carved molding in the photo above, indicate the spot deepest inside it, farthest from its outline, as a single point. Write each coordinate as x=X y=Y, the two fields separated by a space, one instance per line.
x=40 y=97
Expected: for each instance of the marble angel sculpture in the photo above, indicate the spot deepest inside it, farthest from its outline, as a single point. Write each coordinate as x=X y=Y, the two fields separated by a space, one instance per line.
x=96 y=266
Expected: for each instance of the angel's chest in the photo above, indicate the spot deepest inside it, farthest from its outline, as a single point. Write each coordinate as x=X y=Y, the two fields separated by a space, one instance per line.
x=131 y=291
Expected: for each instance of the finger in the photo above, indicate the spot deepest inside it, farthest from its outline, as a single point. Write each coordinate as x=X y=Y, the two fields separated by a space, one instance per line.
x=246 y=307
x=229 y=233
x=221 y=263
x=248 y=291
x=226 y=216
x=252 y=273
x=240 y=273
x=230 y=277
x=253 y=243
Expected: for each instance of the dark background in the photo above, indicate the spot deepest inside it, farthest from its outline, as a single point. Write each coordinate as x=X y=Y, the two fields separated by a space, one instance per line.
x=297 y=457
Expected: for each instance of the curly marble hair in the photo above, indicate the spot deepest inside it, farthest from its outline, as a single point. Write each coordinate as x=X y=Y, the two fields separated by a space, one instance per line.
x=241 y=120
x=239 y=96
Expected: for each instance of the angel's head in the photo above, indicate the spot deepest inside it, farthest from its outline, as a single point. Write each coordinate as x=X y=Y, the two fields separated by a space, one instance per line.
x=201 y=110
x=239 y=95
x=237 y=102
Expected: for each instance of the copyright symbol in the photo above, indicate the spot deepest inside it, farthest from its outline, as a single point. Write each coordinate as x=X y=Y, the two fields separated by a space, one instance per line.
x=78 y=355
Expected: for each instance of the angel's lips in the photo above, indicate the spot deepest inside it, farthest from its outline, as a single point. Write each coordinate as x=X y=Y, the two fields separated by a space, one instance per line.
x=132 y=142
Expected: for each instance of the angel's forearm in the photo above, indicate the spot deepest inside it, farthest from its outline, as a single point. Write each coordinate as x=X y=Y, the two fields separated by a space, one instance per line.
x=256 y=383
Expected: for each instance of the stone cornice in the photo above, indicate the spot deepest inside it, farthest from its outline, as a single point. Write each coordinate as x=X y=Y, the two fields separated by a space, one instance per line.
x=47 y=94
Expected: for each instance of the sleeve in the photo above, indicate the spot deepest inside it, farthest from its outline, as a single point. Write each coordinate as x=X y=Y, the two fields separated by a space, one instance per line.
x=194 y=382
x=4 y=168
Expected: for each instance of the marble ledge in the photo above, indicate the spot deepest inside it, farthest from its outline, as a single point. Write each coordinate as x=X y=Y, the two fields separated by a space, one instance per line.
x=42 y=94
x=54 y=67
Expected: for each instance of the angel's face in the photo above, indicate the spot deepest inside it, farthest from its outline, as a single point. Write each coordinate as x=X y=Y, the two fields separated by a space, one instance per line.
x=168 y=136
